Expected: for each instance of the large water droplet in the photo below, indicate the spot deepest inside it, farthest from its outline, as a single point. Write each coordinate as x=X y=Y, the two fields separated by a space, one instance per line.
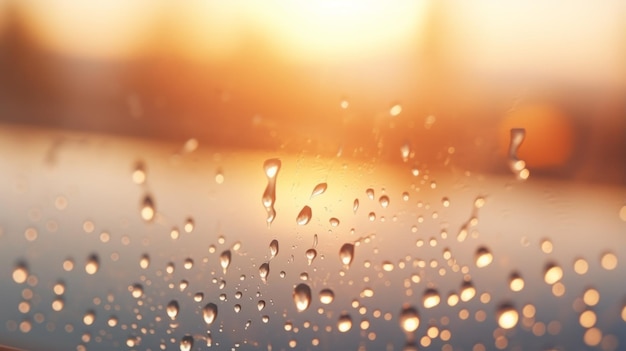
x=225 y=260
x=483 y=257
x=384 y=201
x=271 y=168
x=302 y=297
x=346 y=254
x=172 y=309
x=273 y=248
x=310 y=255
x=304 y=216
x=209 y=313
x=264 y=271
x=147 y=209
x=409 y=319
x=507 y=316
x=344 y=323
x=319 y=189
x=326 y=296
x=92 y=265
x=186 y=343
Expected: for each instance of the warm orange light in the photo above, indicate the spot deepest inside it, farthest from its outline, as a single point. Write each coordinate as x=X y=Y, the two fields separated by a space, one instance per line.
x=549 y=137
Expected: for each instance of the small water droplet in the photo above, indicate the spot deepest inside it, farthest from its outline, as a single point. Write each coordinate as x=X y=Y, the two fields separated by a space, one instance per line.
x=225 y=260
x=139 y=173
x=507 y=316
x=92 y=265
x=20 y=273
x=370 y=193
x=326 y=296
x=346 y=254
x=188 y=264
x=302 y=297
x=147 y=209
x=264 y=271
x=89 y=317
x=144 y=262
x=136 y=290
x=405 y=152
x=445 y=202
x=516 y=282
x=273 y=248
x=237 y=308
x=387 y=266
x=431 y=298
x=344 y=323
x=483 y=257
x=468 y=291
x=608 y=261
x=186 y=343
x=304 y=216
x=182 y=286
x=58 y=304
x=334 y=222
x=172 y=309
x=552 y=273
x=189 y=225
x=319 y=189
x=384 y=201
x=395 y=110
x=355 y=205
x=517 y=166
x=198 y=297
x=260 y=305
x=409 y=319
x=209 y=313
x=310 y=255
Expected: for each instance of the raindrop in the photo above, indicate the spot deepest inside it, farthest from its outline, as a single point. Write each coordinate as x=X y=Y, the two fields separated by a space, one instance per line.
x=346 y=254
x=89 y=317
x=188 y=264
x=139 y=173
x=147 y=209
x=59 y=288
x=273 y=248
x=112 y=321
x=182 y=286
x=430 y=298
x=334 y=222
x=20 y=273
x=552 y=274
x=517 y=166
x=608 y=261
x=355 y=205
x=370 y=193
x=189 y=225
x=237 y=308
x=302 y=297
x=186 y=343
x=409 y=319
x=198 y=297
x=264 y=271
x=58 y=304
x=326 y=296
x=345 y=323
x=405 y=151
x=319 y=189
x=516 y=282
x=271 y=168
x=384 y=201
x=172 y=309
x=260 y=305
x=304 y=216
x=507 y=316
x=92 y=265
x=483 y=257
x=310 y=255
x=468 y=291
x=225 y=260
x=315 y=239
x=136 y=290
x=144 y=262
x=445 y=202
x=209 y=313
x=248 y=323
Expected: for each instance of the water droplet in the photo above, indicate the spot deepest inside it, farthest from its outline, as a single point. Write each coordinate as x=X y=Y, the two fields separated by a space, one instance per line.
x=326 y=296
x=319 y=189
x=346 y=254
x=310 y=255
x=552 y=274
x=409 y=319
x=395 y=110
x=387 y=266
x=517 y=166
x=355 y=205
x=405 y=152
x=209 y=313
x=144 y=262
x=264 y=271
x=302 y=297
x=260 y=305
x=507 y=316
x=271 y=168
x=172 y=309
x=20 y=273
x=147 y=209
x=237 y=308
x=430 y=298
x=273 y=248
x=112 y=321
x=344 y=323
x=198 y=297
x=334 y=222
x=186 y=343
x=608 y=261
x=188 y=264
x=92 y=265
x=516 y=282
x=139 y=173
x=370 y=193
x=189 y=225
x=483 y=257
x=225 y=260
x=89 y=318
x=182 y=286
x=304 y=216
x=384 y=201
x=445 y=202
x=58 y=304
x=136 y=290
x=468 y=291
